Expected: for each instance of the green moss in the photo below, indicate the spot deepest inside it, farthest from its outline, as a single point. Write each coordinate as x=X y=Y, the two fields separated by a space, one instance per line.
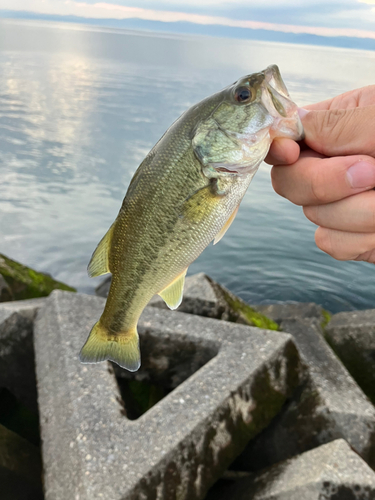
x=26 y=283
x=19 y=419
x=139 y=396
x=326 y=318
x=246 y=312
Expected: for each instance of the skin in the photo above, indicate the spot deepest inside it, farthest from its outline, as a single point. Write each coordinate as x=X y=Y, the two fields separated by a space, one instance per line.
x=332 y=173
x=180 y=199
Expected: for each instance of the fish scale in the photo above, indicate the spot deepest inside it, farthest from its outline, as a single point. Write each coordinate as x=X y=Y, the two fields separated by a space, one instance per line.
x=184 y=195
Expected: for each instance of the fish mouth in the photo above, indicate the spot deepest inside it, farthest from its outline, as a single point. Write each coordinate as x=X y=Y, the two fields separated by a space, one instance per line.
x=273 y=79
x=278 y=103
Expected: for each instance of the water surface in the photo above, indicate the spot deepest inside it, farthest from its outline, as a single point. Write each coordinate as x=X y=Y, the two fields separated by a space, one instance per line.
x=81 y=107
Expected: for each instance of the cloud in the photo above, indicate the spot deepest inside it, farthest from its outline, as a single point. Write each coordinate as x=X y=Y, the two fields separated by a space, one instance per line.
x=105 y=10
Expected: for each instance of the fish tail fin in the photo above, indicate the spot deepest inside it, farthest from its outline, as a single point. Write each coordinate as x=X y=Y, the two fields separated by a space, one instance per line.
x=122 y=348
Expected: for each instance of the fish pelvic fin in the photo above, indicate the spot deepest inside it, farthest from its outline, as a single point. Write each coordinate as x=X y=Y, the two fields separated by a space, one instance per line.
x=172 y=294
x=99 y=263
x=121 y=348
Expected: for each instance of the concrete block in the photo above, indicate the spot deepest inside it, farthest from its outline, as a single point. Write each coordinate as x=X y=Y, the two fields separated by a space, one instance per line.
x=299 y=310
x=199 y=298
x=329 y=405
x=20 y=468
x=352 y=337
x=102 y=289
x=204 y=297
x=27 y=308
x=238 y=378
x=17 y=368
x=331 y=472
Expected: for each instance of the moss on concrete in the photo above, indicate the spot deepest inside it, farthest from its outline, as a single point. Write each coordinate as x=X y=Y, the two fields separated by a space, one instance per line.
x=326 y=318
x=26 y=283
x=139 y=396
x=239 y=310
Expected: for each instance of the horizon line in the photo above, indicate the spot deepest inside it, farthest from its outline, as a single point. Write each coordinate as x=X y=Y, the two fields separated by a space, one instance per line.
x=103 y=11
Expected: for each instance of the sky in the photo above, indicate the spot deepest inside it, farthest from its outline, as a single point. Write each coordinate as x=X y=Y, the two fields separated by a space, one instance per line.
x=334 y=18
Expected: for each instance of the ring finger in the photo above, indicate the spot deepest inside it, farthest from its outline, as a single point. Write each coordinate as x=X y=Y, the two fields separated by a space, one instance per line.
x=342 y=245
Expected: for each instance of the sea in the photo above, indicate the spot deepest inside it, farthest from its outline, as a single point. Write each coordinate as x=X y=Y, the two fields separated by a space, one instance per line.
x=80 y=108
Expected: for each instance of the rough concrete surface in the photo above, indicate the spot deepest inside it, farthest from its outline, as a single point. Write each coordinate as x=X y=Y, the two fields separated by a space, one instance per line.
x=352 y=337
x=285 y=311
x=329 y=405
x=180 y=447
x=331 y=472
x=27 y=308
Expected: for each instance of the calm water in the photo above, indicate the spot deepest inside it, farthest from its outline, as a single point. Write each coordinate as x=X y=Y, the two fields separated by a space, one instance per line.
x=79 y=110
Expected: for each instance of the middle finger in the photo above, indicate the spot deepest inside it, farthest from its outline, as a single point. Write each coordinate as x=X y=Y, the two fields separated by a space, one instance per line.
x=315 y=180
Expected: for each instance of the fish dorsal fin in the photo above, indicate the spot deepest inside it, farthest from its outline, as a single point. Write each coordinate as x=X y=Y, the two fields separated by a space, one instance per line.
x=172 y=294
x=226 y=226
x=99 y=263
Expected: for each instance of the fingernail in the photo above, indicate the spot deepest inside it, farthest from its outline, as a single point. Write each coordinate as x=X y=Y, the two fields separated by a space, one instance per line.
x=361 y=175
x=302 y=112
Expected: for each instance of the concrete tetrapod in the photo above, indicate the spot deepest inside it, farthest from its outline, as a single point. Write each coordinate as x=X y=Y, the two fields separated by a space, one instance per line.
x=330 y=472
x=236 y=380
x=329 y=405
x=352 y=336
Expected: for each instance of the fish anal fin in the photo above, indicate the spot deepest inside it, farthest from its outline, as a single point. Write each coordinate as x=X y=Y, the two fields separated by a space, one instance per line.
x=226 y=226
x=121 y=348
x=172 y=294
x=99 y=263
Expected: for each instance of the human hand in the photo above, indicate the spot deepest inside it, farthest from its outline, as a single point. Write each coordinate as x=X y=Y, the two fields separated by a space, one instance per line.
x=339 y=162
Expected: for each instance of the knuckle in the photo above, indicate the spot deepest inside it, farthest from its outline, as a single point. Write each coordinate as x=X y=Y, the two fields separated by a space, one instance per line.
x=320 y=190
x=276 y=184
x=367 y=256
x=325 y=241
x=322 y=240
x=312 y=213
x=331 y=126
x=372 y=217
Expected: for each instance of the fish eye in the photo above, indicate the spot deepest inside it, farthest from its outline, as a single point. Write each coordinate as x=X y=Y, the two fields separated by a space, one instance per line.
x=244 y=94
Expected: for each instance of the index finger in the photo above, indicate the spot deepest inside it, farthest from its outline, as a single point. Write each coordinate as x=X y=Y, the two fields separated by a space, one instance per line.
x=356 y=98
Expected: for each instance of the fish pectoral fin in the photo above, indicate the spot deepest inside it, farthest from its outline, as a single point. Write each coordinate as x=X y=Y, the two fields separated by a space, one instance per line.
x=99 y=263
x=121 y=348
x=196 y=206
x=226 y=226
x=172 y=294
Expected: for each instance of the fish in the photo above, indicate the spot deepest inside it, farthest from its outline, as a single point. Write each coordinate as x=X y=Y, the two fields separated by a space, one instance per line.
x=184 y=195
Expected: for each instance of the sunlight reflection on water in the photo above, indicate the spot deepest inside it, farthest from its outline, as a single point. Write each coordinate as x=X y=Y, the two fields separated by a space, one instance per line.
x=80 y=109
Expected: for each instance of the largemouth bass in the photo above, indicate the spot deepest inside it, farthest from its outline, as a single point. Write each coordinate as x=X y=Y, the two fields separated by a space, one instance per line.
x=184 y=194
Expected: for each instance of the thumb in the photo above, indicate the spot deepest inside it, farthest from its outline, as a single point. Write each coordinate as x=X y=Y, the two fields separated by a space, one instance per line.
x=340 y=131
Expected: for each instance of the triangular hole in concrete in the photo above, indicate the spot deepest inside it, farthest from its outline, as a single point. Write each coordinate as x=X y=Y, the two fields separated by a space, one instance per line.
x=165 y=365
